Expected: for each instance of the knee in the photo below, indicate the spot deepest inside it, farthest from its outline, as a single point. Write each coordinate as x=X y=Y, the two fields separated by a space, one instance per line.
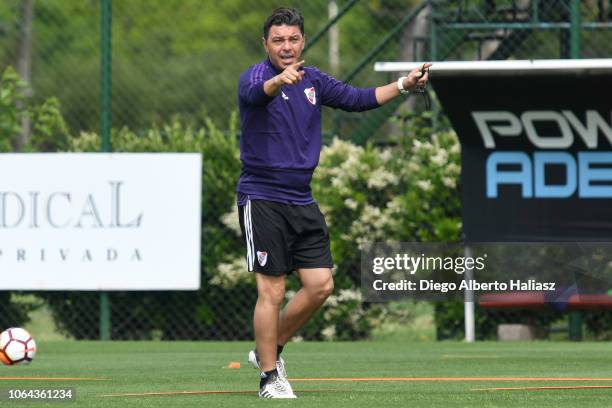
x=324 y=290
x=273 y=295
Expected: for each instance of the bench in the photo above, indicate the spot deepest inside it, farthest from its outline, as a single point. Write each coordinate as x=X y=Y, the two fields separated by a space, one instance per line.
x=534 y=300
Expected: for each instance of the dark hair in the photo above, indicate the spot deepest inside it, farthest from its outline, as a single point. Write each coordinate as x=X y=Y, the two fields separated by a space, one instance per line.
x=283 y=16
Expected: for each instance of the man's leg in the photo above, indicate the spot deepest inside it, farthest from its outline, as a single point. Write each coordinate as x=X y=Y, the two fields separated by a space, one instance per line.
x=317 y=285
x=270 y=296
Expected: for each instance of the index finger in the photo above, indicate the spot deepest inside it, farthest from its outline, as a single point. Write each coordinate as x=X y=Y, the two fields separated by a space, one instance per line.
x=417 y=69
x=298 y=64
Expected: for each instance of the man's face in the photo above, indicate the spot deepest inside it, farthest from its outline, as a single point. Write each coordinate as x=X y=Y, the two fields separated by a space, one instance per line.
x=284 y=45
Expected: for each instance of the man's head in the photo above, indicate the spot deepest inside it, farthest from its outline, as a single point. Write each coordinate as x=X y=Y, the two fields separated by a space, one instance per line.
x=284 y=36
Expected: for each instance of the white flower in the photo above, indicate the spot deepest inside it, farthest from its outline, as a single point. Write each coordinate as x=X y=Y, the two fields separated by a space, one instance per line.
x=351 y=204
x=413 y=166
x=440 y=158
x=370 y=214
x=362 y=241
x=341 y=147
x=336 y=182
x=230 y=220
x=453 y=169
x=394 y=206
x=448 y=182
x=455 y=148
x=325 y=209
x=329 y=333
x=394 y=213
x=424 y=185
x=422 y=146
x=349 y=294
x=230 y=273
x=435 y=139
x=386 y=155
x=362 y=244
x=381 y=178
x=332 y=301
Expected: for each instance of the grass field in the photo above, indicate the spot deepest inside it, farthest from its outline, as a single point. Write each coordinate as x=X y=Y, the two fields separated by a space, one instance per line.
x=156 y=367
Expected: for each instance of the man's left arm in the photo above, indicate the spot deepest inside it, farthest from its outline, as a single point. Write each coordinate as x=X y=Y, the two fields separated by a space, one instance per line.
x=343 y=96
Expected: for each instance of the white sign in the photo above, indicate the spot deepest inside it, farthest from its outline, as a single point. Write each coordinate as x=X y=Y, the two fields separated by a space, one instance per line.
x=99 y=221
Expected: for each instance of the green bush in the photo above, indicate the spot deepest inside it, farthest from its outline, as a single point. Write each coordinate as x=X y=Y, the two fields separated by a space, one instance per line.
x=14 y=311
x=598 y=324
x=46 y=123
x=13 y=107
x=48 y=131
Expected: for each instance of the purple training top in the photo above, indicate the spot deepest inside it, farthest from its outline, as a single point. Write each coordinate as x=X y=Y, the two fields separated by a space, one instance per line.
x=281 y=135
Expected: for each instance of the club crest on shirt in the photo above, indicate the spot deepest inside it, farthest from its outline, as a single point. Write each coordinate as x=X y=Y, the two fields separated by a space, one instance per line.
x=262 y=257
x=311 y=95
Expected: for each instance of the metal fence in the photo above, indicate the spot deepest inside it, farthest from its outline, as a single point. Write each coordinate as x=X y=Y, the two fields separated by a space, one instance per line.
x=177 y=61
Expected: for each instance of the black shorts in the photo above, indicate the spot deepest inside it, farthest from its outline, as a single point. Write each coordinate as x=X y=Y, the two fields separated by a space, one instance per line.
x=281 y=238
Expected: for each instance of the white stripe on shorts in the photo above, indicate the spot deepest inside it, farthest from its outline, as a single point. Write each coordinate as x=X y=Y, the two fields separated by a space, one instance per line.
x=246 y=234
x=248 y=229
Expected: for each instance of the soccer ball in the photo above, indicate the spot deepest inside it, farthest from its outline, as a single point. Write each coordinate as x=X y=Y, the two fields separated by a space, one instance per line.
x=16 y=346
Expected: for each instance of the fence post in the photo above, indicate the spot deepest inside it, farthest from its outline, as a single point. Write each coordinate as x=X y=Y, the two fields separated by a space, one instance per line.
x=575 y=326
x=433 y=56
x=105 y=126
x=468 y=303
x=575 y=29
x=313 y=40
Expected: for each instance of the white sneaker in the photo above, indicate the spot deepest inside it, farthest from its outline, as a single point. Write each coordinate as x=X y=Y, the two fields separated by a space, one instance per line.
x=276 y=387
x=280 y=364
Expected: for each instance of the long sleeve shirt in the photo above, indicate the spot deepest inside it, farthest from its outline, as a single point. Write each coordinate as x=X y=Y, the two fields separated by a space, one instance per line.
x=281 y=135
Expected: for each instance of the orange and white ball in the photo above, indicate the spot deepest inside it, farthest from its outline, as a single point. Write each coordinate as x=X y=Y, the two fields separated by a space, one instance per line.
x=16 y=346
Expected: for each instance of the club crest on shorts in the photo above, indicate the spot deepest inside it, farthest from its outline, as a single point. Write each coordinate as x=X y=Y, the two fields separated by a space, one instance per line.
x=311 y=95
x=262 y=257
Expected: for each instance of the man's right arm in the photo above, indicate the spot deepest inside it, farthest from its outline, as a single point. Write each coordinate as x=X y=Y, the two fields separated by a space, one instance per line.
x=253 y=90
x=272 y=86
x=290 y=76
x=251 y=87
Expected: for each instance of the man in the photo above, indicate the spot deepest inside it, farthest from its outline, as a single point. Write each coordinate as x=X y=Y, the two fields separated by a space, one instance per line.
x=280 y=110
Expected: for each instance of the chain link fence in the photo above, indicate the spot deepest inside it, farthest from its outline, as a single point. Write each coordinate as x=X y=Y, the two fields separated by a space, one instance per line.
x=498 y=30
x=175 y=65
